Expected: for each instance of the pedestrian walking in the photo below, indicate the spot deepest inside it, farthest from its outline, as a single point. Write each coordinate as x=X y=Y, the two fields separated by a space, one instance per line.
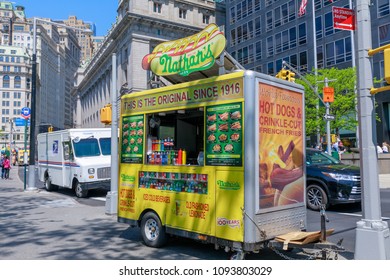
x=7 y=167
x=2 y=165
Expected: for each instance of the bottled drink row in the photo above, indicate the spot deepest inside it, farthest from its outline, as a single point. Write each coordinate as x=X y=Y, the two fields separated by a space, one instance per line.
x=169 y=157
x=160 y=145
x=189 y=186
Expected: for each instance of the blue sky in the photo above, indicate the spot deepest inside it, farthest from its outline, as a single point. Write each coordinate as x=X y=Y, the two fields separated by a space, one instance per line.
x=101 y=12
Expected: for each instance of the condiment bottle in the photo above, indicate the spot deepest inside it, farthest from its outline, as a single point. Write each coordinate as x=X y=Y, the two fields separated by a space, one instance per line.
x=180 y=157
x=184 y=157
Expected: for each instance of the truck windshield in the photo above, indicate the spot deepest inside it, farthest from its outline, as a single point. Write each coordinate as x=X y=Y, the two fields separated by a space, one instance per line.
x=86 y=148
x=105 y=144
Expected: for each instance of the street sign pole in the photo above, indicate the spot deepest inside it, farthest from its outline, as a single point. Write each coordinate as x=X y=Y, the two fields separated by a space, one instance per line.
x=372 y=233
x=25 y=155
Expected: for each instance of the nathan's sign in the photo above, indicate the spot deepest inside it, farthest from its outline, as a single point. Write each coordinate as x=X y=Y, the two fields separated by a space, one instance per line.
x=186 y=55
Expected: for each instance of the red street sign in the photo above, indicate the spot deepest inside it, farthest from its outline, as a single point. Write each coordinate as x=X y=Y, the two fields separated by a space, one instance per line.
x=343 y=18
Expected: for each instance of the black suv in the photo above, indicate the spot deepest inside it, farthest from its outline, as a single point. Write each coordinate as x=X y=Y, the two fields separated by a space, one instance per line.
x=328 y=181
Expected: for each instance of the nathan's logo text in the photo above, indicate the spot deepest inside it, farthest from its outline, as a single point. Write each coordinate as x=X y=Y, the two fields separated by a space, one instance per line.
x=186 y=55
x=228 y=185
x=127 y=178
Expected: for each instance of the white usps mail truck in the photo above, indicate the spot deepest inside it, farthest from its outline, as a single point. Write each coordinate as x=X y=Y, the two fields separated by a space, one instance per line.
x=78 y=159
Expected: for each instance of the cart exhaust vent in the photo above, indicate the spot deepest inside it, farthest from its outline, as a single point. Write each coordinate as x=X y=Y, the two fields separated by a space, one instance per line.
x=104 y=172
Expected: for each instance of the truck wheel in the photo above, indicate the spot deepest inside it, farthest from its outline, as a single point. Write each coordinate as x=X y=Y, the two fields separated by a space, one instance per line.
x=48 y=185
x=315 y=197
x=80 y=191
x=152 y=231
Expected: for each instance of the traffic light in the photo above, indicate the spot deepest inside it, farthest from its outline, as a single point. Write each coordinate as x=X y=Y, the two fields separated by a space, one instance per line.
x=50 y=129
x=386 y=57
x=290 y=77
x=105 y=114
x=283 y=74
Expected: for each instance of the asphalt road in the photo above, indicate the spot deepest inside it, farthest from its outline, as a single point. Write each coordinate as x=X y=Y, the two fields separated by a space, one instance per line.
x=128 y=243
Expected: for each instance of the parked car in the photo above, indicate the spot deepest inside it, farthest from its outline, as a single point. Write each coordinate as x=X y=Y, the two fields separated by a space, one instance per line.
x=329 y=182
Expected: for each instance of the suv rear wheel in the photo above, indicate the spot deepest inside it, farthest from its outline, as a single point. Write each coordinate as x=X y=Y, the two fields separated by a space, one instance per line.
x=315 y=197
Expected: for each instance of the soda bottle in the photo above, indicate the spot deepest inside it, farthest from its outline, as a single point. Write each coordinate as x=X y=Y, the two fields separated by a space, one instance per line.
x=180 y=157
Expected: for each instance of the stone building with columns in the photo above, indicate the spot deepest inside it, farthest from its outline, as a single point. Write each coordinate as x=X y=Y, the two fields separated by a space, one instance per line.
x=140 y=26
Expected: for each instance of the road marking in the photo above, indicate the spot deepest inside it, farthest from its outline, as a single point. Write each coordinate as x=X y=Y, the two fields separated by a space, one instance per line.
x=359 y=215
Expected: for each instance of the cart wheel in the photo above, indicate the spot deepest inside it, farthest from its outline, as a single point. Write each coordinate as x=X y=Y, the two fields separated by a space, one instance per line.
x=315 y=197
x=80 y=191
x=152 y=231
x=237 y=256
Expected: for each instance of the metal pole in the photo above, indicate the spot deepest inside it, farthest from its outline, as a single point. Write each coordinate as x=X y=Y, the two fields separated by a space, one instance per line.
x=25 y=154
x=315 y=66
x=372 y=234
x=327 y=106
x=354 y=65
x=10 y=139
x=112 y=195
x=31 y=168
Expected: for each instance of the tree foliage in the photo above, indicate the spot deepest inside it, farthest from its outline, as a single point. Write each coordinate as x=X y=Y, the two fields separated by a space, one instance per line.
x=344 y=107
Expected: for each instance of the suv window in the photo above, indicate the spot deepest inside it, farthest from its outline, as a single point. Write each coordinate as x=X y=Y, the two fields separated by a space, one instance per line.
x=320 y=158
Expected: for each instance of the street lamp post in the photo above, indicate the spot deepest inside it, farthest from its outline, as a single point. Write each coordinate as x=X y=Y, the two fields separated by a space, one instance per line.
x=372 y=233
x=31 y=168
x=31 y=173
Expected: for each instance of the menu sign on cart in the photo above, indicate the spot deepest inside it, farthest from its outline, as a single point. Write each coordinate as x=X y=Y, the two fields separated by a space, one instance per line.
x=224 y=134
x=132 y=139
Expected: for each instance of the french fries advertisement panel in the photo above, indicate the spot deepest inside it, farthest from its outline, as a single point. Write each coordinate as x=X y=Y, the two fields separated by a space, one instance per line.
x=281 y=144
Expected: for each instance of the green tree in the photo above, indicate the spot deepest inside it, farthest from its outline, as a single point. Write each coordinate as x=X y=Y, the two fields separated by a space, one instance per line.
x=343 y=107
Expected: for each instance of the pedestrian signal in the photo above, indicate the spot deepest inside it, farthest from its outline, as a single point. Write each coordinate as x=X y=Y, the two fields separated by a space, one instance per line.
x=290 y=76
x=283 y=74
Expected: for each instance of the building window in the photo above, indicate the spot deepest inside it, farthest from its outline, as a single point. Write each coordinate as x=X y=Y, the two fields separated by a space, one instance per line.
x=182 y=13
x=157 y=7
x=206 y=19
x=383 y=8
x=257 y=5
x=6 y=81
x=17 y=82
x=319 y=32
x=258 y=50
x=328 y=24
x=232 y=15
x=384 y=34
x=5 y=95
x=269 y=21
x=303 y=62
x=320 y=57
x=339 y=51
x=258 y=26
x=233 y=39
x=302 y=34
x=270 y=68
x=270 y=46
